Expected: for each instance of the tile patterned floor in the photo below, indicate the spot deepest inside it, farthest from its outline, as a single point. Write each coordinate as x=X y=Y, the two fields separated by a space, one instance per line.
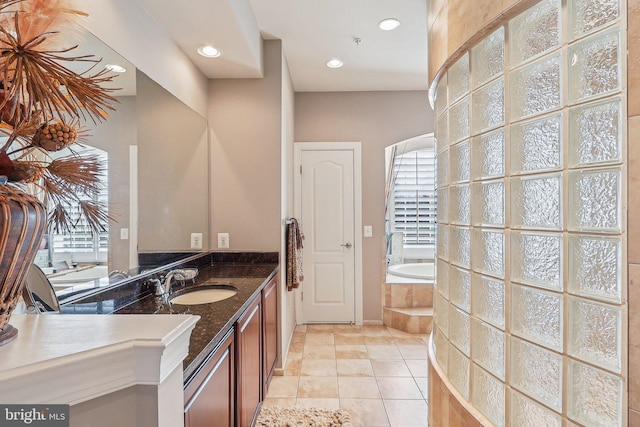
x=378 y=374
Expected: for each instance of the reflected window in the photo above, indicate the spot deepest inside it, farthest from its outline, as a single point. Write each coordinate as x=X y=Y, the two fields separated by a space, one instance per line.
x=413 y=197
x=81 y=245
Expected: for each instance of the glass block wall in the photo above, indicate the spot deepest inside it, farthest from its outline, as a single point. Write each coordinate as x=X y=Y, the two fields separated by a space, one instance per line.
x=530 y=308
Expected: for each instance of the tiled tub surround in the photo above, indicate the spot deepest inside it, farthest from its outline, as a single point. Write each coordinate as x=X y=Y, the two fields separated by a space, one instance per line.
x=248 y=272
x=408 y=307
x=530 y=307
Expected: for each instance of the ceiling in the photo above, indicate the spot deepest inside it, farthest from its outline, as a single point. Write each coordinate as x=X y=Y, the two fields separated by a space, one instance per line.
x=312 y=32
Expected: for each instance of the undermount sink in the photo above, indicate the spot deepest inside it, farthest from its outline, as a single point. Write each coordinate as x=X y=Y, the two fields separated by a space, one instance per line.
x=204 y=295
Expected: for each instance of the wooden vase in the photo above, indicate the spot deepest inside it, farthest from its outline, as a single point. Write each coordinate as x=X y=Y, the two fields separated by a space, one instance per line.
x=22 y=224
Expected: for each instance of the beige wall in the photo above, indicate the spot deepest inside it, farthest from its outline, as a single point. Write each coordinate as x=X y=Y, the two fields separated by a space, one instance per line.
x=246 y=128
x=377 y=120
x=115 y=136
x=287 y=299
x=251 y=125
x=173 y=171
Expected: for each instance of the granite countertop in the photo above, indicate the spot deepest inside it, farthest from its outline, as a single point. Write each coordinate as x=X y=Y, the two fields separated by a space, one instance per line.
x=216 y=319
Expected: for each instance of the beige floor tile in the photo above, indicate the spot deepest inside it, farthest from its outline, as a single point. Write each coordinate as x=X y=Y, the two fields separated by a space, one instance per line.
x=407 y=413
x=400 y=334
x=378 y=339
x=293 y=367
x=284 y=402
x=294 y=354
x=358 y=388
x=409 y=339
x=283 y=387
x=423 y=385
x=390 y=368
x=383 y=351
x=354 y=367
x=298 y=335
x=352 y=329
x=319 y=368
x=318 y=387
x=398 y=388
x=372 y=330
x=320 y=338
x=296 y=347
x=348 y=339
x=348 y=381
x=413 y=352
x=319 y=351
x=354 y=351
x=418 y=368
x=309 y=402
x=366 y=412
x=319 y=328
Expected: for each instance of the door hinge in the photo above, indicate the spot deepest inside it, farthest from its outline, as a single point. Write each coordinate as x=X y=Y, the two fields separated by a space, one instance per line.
x=301 y=296
x=300 y=169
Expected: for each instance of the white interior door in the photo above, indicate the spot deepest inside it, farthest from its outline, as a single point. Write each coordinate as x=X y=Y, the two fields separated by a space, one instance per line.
x=327 y=194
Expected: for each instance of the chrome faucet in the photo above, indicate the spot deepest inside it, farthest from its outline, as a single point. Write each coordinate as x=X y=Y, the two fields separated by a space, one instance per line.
x=119 y=274
x=179 y=274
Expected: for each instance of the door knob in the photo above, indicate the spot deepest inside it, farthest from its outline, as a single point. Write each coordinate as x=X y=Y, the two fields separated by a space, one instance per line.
x=347 y=245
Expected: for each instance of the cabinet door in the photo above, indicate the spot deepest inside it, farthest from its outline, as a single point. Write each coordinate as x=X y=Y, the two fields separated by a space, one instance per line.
x=211 y=394
x=249 y=365
x=270 y=320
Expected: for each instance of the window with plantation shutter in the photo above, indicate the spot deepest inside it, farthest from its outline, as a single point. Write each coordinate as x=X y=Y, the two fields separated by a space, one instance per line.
x=81 y=243
x=414 y=197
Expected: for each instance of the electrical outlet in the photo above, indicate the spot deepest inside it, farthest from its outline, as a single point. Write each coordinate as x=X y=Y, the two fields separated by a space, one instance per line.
x=368 y=231
x=223 y=240
x=196 y=240
x=124 y=233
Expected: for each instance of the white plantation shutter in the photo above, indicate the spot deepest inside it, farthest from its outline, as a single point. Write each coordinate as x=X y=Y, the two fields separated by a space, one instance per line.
x=414 y=197
x=88 y=247
x=81 y=239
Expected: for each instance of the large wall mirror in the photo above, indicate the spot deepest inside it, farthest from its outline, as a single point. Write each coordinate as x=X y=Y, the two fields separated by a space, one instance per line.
x=155 y=149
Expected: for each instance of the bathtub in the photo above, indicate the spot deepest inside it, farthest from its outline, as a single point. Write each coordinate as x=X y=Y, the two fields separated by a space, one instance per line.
x=79 y=275
x=422 y=270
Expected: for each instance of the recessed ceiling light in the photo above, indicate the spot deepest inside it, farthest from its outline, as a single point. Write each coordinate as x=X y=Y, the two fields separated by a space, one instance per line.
x=389 y=24
x=115 y=68
x=209 y=51
x=334 y=63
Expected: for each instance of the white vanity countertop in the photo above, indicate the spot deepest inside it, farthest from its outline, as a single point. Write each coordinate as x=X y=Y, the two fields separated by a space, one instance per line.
x=72 y=358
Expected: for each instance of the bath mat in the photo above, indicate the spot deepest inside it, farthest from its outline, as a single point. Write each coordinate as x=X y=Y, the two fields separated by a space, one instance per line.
x=275 y=416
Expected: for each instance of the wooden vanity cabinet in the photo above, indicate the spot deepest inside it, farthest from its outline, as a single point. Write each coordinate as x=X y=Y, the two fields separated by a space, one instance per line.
x=249 y=363
x=210 y=395
x=230 y=387
x=270 y=327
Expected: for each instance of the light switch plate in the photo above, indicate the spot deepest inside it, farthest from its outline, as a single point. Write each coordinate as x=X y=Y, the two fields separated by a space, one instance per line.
x=223 y=240
x=368 y=231
x=124 y=233
x=196 y=240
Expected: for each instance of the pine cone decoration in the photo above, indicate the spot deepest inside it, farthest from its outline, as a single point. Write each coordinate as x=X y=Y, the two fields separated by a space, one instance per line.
x=55 y=136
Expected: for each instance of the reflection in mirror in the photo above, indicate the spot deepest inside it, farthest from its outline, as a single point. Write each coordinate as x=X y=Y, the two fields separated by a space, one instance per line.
x=156 y=156
x=38 y=294
x=410 y=211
